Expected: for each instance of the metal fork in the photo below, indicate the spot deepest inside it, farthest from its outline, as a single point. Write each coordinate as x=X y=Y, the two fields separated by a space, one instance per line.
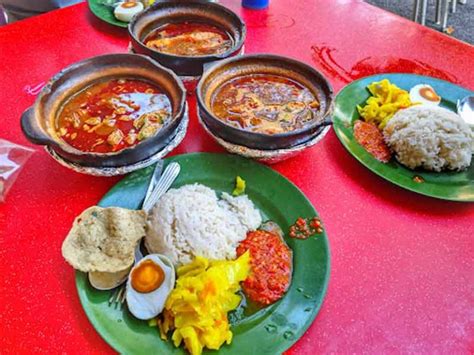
x=166 y=180
x=118 y=296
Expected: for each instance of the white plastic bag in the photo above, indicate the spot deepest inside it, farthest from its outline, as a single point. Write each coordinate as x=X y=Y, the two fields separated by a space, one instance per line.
x=12 y=159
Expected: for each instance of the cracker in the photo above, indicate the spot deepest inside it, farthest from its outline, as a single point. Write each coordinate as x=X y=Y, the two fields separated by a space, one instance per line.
x=104 y=239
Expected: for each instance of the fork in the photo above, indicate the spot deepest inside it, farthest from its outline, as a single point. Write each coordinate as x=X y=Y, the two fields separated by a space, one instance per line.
x=118 y=296
x=166 y=180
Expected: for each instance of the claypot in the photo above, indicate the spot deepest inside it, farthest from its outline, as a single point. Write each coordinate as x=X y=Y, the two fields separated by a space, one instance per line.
x=162 y=13
x=218 y=74
x=39 y=121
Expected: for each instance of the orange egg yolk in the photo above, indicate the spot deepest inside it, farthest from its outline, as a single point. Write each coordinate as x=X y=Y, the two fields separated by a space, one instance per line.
x=147 y=277
x=129 y=4
x=429 y=94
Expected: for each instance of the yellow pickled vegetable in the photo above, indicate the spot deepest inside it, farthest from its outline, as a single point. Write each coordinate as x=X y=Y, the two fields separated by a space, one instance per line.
x=385 y=101
x=196 y=310
x=239 y=186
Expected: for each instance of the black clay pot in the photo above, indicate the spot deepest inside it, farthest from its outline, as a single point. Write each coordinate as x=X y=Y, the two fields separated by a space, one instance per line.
x=38 y=121
x=218 y=74
x=202 y=11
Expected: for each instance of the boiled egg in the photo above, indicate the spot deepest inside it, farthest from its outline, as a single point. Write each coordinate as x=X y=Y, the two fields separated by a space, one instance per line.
x=124 y=11
x=424 y=94
x=148 y=286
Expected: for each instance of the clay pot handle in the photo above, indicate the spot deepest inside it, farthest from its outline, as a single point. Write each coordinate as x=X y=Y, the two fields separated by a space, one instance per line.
x=31 y=130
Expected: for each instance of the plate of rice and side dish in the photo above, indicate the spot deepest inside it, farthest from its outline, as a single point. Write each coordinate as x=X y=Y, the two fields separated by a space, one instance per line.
x=118 y=12
x=406 y=129
x=233 y=257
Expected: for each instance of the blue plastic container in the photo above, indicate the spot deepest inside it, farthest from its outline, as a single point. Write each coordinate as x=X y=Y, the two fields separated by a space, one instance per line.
x=255 y=4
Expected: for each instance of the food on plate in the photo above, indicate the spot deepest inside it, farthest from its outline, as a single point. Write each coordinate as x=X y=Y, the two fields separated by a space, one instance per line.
x=104 y=239
x=189 y=39
x=214 y=241
x=239 y=186
x=418 y=179
x=124 y=11
x=271 y=266
x=369 y=136
x=424 y=94
x=149 y=284
x=192 y=221
x=111 y=115
x=196 y=310
x=147 y=276
x=108 y=280
x=272 y=227
x=265 y=103
x=430 y=137
x=414 y=128
x=386 y=100
x=305 y=228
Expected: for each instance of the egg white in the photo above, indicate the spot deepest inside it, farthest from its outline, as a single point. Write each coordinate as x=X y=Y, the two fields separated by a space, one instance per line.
x=148 y=305
x=416 y=97
x=125 y=14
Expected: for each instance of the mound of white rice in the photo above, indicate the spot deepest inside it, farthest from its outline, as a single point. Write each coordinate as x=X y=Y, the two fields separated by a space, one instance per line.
x=430 y=137
x=192 y=221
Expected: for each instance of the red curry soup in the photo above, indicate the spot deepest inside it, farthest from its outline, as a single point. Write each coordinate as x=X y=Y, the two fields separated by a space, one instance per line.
x=264 y=103
x=112 y=115
x=189 y=39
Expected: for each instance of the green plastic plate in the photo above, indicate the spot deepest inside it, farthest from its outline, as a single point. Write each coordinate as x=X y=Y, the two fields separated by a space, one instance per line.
x=271 y=330
x=105 y=13
x=456 y=186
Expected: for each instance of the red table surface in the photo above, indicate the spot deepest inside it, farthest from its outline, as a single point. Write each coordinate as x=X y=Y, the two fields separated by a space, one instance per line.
x=402 y=275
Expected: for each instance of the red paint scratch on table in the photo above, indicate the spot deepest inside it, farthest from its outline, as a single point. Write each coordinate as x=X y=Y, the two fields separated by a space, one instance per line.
x=324 y=56
x=34 y=90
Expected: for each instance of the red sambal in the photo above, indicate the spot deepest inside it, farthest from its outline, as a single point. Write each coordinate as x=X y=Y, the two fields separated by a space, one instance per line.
x=371 y=138
x=271 y=265
x=304 y=228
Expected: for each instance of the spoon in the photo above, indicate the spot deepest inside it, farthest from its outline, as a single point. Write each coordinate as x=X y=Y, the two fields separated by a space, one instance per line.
x=465 y=109
x=162 y=185
x=166 y=180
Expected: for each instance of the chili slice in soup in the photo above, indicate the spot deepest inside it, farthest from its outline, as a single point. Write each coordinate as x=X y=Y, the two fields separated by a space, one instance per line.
x=264 y=103
x=189 y=39
x=112 y=115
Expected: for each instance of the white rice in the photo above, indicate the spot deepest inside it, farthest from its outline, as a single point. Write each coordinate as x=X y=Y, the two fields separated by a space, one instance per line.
x=430 y=137
x=191 y=221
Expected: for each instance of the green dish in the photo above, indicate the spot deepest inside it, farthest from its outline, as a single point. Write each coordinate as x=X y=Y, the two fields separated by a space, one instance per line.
x=455 y=186
x=271 y=330
x=105 y=13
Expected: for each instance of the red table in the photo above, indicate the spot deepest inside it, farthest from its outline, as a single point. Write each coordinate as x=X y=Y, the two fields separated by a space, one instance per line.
x=402 y=277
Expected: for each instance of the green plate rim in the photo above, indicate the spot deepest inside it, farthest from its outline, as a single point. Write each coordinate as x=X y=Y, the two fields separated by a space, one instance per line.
x=370 y=162
x=94 y=7
x=81 y=278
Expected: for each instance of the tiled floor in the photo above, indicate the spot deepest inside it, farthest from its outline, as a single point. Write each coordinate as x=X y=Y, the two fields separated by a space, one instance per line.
x=462 y=21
